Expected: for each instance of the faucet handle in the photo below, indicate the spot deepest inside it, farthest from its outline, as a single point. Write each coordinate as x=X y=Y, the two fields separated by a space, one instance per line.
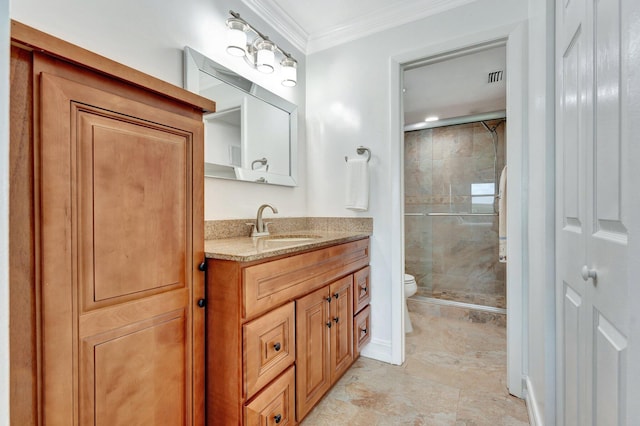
x=266 y=226
x=253 y=228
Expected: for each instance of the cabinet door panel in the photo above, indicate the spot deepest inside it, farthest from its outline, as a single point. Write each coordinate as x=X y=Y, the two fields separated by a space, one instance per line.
x=274 y=405
x=269 y=347
x=313 y=377
x=361 y=288
x=118 y=214
x=342 y=330
x=114 y=364
x=142 y=171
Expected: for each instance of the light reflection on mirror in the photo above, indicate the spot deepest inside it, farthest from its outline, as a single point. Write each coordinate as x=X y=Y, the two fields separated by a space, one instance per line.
x=252 y=136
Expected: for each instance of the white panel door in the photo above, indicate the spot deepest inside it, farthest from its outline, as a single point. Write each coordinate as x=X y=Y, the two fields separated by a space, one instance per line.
x=593 y=184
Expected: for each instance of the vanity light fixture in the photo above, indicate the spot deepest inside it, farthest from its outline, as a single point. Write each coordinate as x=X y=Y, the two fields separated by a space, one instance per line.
x=261 y=52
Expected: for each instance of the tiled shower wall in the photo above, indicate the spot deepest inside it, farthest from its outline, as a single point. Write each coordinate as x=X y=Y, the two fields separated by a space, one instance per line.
x=449 y=169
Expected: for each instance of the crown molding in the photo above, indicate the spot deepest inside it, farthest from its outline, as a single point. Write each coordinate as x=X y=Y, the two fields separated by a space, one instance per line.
x=380 y=20
x=277 y=18
x=369 y=23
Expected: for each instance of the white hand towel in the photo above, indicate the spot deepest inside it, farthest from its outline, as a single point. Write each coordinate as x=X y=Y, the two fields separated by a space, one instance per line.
x=357 y=184
x=502 y=217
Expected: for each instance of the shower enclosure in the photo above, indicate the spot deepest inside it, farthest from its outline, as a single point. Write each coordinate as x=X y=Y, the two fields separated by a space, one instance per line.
x=451 y=179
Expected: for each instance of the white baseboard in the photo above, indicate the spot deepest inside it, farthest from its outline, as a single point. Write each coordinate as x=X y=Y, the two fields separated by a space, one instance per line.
x=378 y=349
x=533 y=408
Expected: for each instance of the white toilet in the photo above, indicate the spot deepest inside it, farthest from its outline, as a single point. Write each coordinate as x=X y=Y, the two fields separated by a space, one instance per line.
x=410 y=288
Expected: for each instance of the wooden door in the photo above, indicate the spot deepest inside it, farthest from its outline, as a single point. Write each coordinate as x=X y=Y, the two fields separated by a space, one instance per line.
x=592 y=184
x=341 y=314
x=120 y=228
x=313 y=377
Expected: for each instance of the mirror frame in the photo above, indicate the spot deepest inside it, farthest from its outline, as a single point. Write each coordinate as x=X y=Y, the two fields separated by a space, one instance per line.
x=195 y=63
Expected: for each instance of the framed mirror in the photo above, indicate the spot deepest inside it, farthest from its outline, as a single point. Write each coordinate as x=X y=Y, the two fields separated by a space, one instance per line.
x=253 y=135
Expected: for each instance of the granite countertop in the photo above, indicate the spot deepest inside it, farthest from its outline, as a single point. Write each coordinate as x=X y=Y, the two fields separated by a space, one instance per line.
x=245 y=249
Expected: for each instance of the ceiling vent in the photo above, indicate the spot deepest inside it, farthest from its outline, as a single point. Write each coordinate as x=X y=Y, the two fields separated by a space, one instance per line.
x=495 y=76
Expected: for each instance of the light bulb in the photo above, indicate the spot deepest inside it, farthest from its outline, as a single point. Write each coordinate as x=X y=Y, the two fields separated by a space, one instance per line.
x=236 y=37
x=265 y=56
x=289 y=72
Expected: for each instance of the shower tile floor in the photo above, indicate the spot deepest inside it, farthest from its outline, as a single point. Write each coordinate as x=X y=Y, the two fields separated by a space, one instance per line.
x=454 y=374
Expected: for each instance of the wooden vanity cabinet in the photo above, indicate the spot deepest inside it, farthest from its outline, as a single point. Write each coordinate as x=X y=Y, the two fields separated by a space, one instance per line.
x=106 y=212
x=279 y=330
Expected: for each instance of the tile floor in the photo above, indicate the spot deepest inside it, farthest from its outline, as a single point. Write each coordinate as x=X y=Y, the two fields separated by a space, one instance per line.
x=454 y=374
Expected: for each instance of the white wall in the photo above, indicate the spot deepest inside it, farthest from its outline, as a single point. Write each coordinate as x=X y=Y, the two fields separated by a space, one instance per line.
x=348 y=104
x=149 y=35
x=4 y=212
x=541 y=239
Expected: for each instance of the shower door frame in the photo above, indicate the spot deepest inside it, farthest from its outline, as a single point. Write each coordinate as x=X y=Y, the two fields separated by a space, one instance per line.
x=514 y=37
x=454 y=123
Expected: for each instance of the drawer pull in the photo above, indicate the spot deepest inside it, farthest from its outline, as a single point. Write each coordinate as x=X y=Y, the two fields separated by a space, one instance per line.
x=363 y=331
x=329 y=324
x=336 y=295
x=328 y=299
x=277 y=347
x=277 y=418
x=202 y=303
x=336 y=319
x=364 y=288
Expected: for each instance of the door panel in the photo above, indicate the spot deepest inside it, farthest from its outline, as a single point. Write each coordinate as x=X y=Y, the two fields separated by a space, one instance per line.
x=118 y=211
x=571 y=355
x=573 y=153
x=114 y=364
x=610 y=372
x=342 y=331
x=313 y=376
x=132 y=187
x=607 y=116
x=571 y=235
x=607 y=245
x=592 y=267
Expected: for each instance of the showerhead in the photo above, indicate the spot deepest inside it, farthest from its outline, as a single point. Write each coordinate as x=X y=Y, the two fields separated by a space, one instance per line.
x=493 y=129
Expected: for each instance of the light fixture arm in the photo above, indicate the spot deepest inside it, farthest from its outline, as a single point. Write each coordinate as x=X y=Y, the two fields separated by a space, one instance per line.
x=258 y=33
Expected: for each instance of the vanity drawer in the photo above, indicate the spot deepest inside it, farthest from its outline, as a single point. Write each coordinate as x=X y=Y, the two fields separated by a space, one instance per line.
x=361 y=329
x=271 y=283
x=361 y=289
x=275 y=405
x=270 y=347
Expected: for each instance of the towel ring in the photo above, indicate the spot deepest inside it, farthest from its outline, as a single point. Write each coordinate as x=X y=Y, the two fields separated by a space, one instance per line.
x=361 y=150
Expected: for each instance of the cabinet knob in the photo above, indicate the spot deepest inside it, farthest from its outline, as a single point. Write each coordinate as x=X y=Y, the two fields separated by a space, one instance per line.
x=277 y=418
x=336 y=319
x=277 y=347
x=329 y=324
x=202 y=303
x=328 y=299
x=203 y=266
x=363 y=330
x=336 y=295
x=364 y=288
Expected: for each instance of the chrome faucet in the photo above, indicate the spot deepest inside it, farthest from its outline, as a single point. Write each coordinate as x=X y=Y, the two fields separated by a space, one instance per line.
x=260 y=228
